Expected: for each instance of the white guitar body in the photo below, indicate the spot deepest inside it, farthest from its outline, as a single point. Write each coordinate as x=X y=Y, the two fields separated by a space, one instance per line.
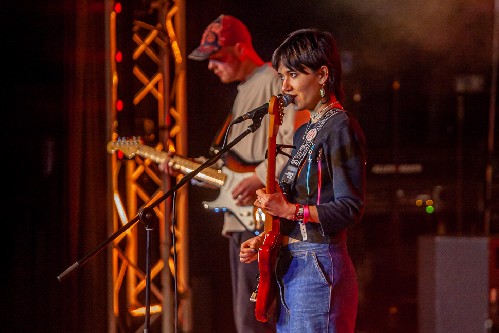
x=225 y=203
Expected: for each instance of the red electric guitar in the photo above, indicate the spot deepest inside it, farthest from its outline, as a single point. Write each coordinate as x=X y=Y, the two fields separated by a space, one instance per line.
x=268 y=251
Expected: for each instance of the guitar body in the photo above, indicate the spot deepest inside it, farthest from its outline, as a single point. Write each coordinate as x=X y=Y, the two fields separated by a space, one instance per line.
x=267 y=284
x=225 y=203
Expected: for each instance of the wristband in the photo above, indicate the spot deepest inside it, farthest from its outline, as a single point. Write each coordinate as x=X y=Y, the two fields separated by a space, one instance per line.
x=298 y=215
x=306 y=214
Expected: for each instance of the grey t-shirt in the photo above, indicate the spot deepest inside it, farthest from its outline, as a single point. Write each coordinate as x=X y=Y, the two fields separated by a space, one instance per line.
x=252 y=93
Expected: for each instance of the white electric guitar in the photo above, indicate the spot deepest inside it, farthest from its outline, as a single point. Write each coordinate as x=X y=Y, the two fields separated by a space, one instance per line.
x=225 y=179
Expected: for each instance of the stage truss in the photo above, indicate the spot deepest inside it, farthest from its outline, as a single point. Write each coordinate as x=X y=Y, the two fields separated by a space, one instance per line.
x=146 y=101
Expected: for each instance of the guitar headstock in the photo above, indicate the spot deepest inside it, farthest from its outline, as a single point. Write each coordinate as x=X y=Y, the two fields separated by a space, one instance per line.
x=128 y=146
x=276 y=113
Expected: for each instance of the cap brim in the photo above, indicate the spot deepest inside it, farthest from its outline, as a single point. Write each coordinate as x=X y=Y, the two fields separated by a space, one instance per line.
x=202 y=52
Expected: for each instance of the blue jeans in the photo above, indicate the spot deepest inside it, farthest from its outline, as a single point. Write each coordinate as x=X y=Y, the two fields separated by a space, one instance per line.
x=318 y=289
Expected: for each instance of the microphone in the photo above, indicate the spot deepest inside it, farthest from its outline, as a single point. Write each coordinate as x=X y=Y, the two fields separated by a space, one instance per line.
x=261 y=111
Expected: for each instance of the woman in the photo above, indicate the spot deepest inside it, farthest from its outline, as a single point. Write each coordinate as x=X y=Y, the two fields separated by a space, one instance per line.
x=321 y=192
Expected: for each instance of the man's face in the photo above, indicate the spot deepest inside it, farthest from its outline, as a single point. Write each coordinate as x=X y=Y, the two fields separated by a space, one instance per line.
x=225 y=64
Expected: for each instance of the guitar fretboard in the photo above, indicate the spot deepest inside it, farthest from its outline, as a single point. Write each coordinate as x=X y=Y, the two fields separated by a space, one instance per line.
x=209 y=175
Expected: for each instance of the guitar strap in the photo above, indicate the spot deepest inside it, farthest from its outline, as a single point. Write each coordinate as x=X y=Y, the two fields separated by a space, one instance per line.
x=218 y=141
x=307 y=144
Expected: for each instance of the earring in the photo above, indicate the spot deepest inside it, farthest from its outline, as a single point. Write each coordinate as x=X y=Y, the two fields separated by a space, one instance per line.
x=322 y=91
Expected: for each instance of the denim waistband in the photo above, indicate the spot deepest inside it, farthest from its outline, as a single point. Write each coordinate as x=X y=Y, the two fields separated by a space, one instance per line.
x=309 y=246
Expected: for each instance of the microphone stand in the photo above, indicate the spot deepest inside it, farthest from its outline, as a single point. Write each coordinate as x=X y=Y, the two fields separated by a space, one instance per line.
x=148 y=217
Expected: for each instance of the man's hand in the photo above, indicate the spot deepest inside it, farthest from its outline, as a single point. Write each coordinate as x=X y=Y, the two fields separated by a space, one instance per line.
x=244 y=192
x=168 y=167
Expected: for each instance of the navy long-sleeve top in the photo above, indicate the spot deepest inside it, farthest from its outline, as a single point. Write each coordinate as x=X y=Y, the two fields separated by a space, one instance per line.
x=332 y=178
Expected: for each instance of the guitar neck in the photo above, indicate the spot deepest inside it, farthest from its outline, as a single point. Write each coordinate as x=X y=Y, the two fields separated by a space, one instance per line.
x=275 y=119
x=208 y=175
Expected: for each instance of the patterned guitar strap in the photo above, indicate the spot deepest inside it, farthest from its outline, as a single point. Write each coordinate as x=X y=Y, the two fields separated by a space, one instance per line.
x=307 y=144
x=297 y=160
x=219 y=139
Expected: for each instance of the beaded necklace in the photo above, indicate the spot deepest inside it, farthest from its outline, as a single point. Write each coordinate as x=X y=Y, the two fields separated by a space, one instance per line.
x=319 y=114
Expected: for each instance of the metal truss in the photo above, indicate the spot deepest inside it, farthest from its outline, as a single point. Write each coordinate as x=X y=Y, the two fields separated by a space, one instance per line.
x=155 y=91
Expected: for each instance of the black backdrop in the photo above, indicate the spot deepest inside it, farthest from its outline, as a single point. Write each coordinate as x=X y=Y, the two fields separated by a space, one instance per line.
x=54 y=202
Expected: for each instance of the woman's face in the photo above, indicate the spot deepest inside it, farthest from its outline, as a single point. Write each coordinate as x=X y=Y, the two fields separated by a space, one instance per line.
x=305 y=87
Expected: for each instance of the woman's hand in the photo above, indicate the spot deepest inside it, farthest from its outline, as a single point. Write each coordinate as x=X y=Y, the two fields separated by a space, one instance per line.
x=249 y=249
x=275 y=204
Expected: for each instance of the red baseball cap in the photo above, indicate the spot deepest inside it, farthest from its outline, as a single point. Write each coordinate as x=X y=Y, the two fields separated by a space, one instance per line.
x=226 y=30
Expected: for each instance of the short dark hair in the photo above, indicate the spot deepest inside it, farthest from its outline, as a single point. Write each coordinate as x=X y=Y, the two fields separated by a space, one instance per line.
x=312 y=48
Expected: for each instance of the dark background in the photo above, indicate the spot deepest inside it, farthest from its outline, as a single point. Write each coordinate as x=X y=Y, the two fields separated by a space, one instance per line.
x=55 y=134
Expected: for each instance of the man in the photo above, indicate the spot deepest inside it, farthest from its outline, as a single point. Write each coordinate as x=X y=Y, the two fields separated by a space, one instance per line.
x=227 y=45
